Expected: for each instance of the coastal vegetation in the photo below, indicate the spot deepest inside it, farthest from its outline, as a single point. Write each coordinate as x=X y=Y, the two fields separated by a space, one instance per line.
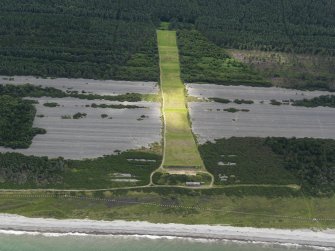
x=160 y=178
x=18 y=171
x=236 y=207
x=307 y=163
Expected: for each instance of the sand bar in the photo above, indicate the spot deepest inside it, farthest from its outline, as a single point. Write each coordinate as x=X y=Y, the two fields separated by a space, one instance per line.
x=325 y=238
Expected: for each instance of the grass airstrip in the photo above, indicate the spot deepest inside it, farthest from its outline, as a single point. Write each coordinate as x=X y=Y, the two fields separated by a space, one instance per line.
x=180 y=148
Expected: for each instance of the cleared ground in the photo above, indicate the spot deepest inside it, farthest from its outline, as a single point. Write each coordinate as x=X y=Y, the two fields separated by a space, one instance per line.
x=249 y=93
x=100 y=87
x=180 y=148
x=210 y=121
x=92 y=136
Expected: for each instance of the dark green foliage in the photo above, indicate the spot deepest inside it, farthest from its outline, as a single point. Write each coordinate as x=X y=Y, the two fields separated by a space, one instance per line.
x=77 y=39
x=16 y=121
x=203 y=61
x=116 y=106
x=220 y=100
x=232 y=110
x=24 y=170
x=19 y=171
x=116 y=39
x=51 y=104
x=325 y=100
x=275 y=102
x=79 y=115
x=255 y=162
x=179 y=179
x=243 y=101
x=98 y=173
x=301 y=26
x=29 y=90
x=312 y=161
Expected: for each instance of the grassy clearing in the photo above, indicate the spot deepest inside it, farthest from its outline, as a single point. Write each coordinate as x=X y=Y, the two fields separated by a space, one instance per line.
x=299 y=71
x=180 y=146
x=247 y=210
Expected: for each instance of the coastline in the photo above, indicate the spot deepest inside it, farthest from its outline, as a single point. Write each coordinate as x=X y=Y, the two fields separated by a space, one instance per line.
x=305 y=237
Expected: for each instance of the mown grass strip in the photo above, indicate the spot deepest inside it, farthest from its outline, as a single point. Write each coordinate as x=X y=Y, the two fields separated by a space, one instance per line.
x=180 y=148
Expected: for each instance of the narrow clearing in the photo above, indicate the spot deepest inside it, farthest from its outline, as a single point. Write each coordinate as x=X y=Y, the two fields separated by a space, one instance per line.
x=180 y=148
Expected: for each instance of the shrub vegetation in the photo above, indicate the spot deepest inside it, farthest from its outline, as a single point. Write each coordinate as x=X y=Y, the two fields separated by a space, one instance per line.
x=16 y=122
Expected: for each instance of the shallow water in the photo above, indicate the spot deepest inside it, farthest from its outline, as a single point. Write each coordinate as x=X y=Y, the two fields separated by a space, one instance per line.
x=54 y=242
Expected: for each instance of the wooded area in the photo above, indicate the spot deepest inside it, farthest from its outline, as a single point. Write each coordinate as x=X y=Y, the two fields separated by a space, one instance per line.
x=116 y=39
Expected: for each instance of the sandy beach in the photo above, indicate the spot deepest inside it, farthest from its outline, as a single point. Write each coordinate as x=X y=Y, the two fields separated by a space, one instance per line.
x=324 y=238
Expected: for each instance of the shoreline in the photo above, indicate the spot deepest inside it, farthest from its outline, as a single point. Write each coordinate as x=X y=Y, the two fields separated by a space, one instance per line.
x=304 y=237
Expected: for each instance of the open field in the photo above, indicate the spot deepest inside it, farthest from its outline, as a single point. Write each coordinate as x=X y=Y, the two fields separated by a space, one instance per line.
x=180 y=148
x=100 y=87
x=210 y=121
x=92 y=136
x=250 y=93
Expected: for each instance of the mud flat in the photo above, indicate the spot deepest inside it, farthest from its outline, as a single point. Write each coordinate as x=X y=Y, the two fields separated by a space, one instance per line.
x=100 y=87
x=92 y=136
x=249 y=93
x=210 y=121
x=323 y=238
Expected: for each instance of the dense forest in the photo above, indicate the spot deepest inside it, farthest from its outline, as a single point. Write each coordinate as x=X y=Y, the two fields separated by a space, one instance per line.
x=18 y=169
x=116 y=39
x=61 y=38
x=312 y=161
x=16 y=122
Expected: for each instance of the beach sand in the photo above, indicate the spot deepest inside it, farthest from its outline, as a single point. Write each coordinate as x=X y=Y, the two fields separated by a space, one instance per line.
x=321 y=238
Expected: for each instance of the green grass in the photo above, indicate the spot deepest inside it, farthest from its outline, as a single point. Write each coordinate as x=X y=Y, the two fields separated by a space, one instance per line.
x=180 y=146
x=261 y=211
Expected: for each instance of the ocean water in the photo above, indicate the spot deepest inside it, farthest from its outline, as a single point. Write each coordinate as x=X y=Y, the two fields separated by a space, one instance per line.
x=16 y=241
